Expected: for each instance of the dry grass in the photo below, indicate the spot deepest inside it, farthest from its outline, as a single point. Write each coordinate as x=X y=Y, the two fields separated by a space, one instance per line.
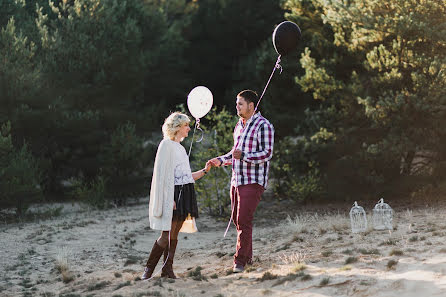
x=296 y=225
x=298 y=267
x=61 y=263
x=337 y=222
x=294 y=257
x=315 y=223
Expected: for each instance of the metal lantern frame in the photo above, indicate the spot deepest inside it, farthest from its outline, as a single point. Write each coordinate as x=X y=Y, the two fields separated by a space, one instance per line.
x=358 y=218
x=382 y=216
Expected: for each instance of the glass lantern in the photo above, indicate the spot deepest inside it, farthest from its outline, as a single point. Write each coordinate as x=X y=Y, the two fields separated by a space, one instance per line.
x=382 y=216
x=358 y=218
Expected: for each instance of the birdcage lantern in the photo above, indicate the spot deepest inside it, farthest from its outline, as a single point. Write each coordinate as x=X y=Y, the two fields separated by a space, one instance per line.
x=358 y=218
x=382 y=216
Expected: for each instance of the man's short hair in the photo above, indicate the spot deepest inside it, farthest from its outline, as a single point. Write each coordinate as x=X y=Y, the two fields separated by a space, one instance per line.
x=249 y=96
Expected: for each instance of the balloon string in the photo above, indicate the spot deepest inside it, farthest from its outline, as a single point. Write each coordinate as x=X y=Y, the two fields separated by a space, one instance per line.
x=236 y=194
x=202 y=132
x=277 y=66
x=232 y=212
x=197 y=125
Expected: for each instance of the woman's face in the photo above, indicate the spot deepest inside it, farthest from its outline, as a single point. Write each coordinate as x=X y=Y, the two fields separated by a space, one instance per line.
x=183 y=132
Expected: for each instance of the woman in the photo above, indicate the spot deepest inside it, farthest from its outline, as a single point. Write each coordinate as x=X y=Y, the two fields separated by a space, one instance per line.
x=172 y=194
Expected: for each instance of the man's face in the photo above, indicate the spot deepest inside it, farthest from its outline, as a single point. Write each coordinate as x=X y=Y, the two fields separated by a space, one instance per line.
x=244 y=109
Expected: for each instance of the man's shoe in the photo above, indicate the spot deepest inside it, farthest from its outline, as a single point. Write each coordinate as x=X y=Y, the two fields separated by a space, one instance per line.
x=238 y=268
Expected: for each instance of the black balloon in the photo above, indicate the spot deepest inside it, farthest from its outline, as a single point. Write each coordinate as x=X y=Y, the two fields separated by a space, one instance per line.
x=286 y=37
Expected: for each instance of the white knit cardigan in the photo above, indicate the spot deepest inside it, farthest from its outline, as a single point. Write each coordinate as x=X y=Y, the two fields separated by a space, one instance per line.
x=162 y=189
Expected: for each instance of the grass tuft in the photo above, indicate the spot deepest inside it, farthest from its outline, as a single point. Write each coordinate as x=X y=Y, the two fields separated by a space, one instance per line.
x=132 y=260
x=267 y=276
x=351 y=260
x=413 y=238
x=395 y=252
x=389 y=242
x=196 y=274
x=324 y=281
x=298 y=267
x=347 y=252
x=391 y=264
x=121 y=285
x=369 y=252
x=98 y=286
x=289 y=277
x=306 y=277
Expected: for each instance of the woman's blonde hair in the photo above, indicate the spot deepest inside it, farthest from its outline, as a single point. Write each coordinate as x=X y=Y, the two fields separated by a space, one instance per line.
x=173 y=123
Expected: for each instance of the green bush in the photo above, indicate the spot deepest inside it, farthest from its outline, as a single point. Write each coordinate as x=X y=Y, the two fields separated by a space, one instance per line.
x=19 y=174
x=93 y=193
x=124 y=160
x=295 y=174
x=213 y=189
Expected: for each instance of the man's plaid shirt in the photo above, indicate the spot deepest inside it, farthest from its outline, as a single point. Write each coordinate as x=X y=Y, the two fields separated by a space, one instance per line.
x=256 y=141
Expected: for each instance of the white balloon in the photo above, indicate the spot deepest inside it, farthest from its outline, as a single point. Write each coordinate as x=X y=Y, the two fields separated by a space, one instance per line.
x=199 y=101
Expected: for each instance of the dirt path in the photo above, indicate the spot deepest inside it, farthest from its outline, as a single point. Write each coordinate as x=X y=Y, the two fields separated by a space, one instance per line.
x=102 y=253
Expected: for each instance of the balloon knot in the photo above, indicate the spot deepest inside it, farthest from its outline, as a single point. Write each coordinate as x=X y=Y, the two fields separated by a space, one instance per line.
x=278 y=66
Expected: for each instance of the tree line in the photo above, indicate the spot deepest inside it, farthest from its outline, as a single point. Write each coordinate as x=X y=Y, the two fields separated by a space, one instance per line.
x=359 y=109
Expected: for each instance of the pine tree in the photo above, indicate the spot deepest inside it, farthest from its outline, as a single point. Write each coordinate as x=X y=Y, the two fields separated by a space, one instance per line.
x=383 y=89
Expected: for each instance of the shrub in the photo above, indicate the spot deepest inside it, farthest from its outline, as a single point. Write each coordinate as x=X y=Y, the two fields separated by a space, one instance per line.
x=92 y=193
x=295 y=177
x=213 y=190
x=19 y=174
x=123 y=164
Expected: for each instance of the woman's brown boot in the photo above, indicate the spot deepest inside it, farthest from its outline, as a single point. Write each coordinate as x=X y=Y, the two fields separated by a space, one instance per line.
x=169 y=253
x=154 y=257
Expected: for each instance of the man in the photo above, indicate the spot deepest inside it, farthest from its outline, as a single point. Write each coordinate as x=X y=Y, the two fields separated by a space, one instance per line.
x=250 y=157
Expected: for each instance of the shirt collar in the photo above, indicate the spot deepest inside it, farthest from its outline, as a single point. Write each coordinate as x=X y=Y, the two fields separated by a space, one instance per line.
x=252 y=118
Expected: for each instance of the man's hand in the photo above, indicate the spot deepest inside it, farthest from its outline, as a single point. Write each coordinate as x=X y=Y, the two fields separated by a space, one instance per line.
x=215 y=162
x=237 y=154
x=208 y=166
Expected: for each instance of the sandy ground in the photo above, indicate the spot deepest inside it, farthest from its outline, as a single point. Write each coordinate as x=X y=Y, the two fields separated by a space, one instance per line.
x=102 y=253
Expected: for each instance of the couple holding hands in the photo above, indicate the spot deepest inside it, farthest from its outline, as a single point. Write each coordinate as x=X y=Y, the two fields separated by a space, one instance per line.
x=172 y=194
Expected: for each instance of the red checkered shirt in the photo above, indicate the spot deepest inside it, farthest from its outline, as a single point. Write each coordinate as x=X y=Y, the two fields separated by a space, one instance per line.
x=256 y=140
